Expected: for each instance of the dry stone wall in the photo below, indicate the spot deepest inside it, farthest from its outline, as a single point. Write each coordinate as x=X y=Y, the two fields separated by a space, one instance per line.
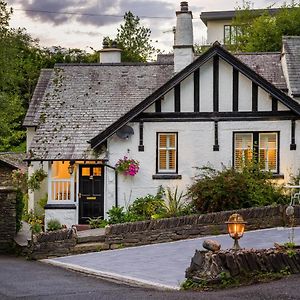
x=210 y=266
x=178 y=228
x=7 y=218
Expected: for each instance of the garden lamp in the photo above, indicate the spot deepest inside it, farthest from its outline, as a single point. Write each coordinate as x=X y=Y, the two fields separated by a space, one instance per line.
x=236 y=227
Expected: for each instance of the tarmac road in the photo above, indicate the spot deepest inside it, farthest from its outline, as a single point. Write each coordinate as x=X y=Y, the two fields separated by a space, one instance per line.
x=22 y=279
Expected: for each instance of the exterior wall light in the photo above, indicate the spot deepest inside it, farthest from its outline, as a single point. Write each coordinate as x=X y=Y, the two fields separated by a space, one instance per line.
x=236 y=227
x=71 y=167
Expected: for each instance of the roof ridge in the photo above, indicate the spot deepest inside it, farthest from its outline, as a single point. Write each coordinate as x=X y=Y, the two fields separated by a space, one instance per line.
x=112 y=64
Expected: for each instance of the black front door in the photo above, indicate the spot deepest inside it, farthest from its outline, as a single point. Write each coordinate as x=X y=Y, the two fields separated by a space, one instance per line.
x=91 y=192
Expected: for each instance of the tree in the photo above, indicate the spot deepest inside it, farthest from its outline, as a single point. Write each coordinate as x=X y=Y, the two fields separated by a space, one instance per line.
x=263 y=32
x=133 y=39
x=21 y=59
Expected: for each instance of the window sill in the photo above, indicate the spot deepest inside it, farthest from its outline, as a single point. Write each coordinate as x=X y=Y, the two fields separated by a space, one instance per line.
x=60 y=206
x=166 y=176
x=277 y=176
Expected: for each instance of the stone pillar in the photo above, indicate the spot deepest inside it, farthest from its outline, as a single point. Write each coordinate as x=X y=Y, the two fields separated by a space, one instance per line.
x=7 y=218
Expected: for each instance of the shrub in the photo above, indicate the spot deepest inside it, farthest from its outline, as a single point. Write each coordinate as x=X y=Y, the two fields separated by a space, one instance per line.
x=19 y=209
x=173 y=205
x=34 y=181
x=35 y=222
x=148 y=206
x=53 y=225
x=97 y=222
x=230 y=189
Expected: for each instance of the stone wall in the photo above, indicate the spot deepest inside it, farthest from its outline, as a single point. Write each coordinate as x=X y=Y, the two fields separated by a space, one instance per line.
x=178 y=228
x=5 y=175
x=52 y=244
x=210 y=267
x=7 y=218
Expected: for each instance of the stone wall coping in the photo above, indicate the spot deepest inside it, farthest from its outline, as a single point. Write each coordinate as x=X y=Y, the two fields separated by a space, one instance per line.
x=5 y=189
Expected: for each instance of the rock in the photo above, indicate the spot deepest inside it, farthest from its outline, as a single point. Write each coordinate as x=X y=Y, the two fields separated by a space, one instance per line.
x=211 y=245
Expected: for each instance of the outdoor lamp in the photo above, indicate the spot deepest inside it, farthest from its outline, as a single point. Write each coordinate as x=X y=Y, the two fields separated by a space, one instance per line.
x=71 y=167
x=236 y=226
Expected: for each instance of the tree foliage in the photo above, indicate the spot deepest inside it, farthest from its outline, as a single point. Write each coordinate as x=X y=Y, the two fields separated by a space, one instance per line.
x=21 y=59
x=263 y=32
x=133 y=39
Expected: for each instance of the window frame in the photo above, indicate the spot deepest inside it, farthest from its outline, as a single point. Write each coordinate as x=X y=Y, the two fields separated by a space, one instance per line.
x=158 y=171
x=233 y=33
x=256 y=146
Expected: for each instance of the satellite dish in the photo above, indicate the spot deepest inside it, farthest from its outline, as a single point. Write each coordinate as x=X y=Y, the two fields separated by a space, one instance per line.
x=125 y=132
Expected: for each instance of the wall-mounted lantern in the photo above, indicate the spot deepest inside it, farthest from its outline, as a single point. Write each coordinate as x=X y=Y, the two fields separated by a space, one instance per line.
x=236 y=227
x=71 y=167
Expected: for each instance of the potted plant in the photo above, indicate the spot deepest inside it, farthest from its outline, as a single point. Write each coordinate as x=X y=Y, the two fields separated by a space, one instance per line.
x=127 y=166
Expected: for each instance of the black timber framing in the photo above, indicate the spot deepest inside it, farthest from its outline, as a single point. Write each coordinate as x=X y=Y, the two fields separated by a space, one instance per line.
x=235 y=90
x=158 y=105
x=177 y=98
x=274 y=104
x=216 y=49
x=216 y=83
x=216 y=116
x=196 y=90
x=254 y=96
x=141 y=143
x=293 y=145
x=216 y=146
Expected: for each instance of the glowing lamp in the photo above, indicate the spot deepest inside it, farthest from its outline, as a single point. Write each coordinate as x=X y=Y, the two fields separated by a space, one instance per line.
x=236 y=227
x=71 y=167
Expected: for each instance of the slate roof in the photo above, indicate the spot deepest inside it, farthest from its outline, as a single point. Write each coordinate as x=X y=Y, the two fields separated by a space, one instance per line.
x=31 y=118
x=13 y=159
x=82 y=100
x=291 y=46
x=268 y=65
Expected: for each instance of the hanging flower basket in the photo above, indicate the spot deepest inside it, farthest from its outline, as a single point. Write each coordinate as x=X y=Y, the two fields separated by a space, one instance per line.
x=127 y=166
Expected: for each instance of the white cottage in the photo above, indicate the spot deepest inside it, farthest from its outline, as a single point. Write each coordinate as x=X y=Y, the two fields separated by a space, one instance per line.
x=173 y=115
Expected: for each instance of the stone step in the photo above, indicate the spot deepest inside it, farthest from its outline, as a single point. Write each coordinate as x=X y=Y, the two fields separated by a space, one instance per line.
x=90 y=239
x=89 y=247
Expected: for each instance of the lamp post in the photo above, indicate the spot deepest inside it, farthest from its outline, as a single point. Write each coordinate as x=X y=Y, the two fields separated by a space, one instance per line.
x=236 y=227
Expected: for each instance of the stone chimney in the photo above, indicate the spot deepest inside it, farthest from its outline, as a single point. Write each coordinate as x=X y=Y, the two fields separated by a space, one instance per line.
x=183 y=44
x=110 y=54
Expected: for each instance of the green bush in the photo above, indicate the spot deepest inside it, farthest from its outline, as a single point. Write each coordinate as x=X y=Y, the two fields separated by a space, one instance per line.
x=97 y=222
x=148 y=206
x=230 y=189
x=118 y=215
x=19 y=209
x=53 y=225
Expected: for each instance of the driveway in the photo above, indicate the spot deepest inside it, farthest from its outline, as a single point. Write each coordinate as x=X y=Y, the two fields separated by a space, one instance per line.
x=161 y=265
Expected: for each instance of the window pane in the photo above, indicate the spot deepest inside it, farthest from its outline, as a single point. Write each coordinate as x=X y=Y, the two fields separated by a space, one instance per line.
x=243 y=149
x=167 y=152
x=268 y=151
x=85 y=171
x=60 y=170
x=97 y=171
x=227 y=34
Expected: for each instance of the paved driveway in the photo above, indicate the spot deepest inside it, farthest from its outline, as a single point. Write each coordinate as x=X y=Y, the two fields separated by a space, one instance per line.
x=162 y=265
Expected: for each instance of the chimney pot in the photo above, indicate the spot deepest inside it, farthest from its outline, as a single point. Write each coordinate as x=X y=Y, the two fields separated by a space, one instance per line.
x=105 y=44
x=184 y=6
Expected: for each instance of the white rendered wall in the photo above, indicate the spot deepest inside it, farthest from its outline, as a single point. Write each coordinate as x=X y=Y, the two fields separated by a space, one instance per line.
x=225 y=86
x=245 y=93
x=187 y=94
x=206 y=87
x=215 y=31
x=264 y=100
x=167 y=104
x=195 y=149
x=66 y=217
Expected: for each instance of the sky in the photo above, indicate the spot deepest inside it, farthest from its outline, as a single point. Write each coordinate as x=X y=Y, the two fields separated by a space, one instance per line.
x=83 y=24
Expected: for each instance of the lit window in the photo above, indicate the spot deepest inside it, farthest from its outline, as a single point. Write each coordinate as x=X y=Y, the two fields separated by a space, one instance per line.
x=263 y=145
x=167 y=152
x=60 y=181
